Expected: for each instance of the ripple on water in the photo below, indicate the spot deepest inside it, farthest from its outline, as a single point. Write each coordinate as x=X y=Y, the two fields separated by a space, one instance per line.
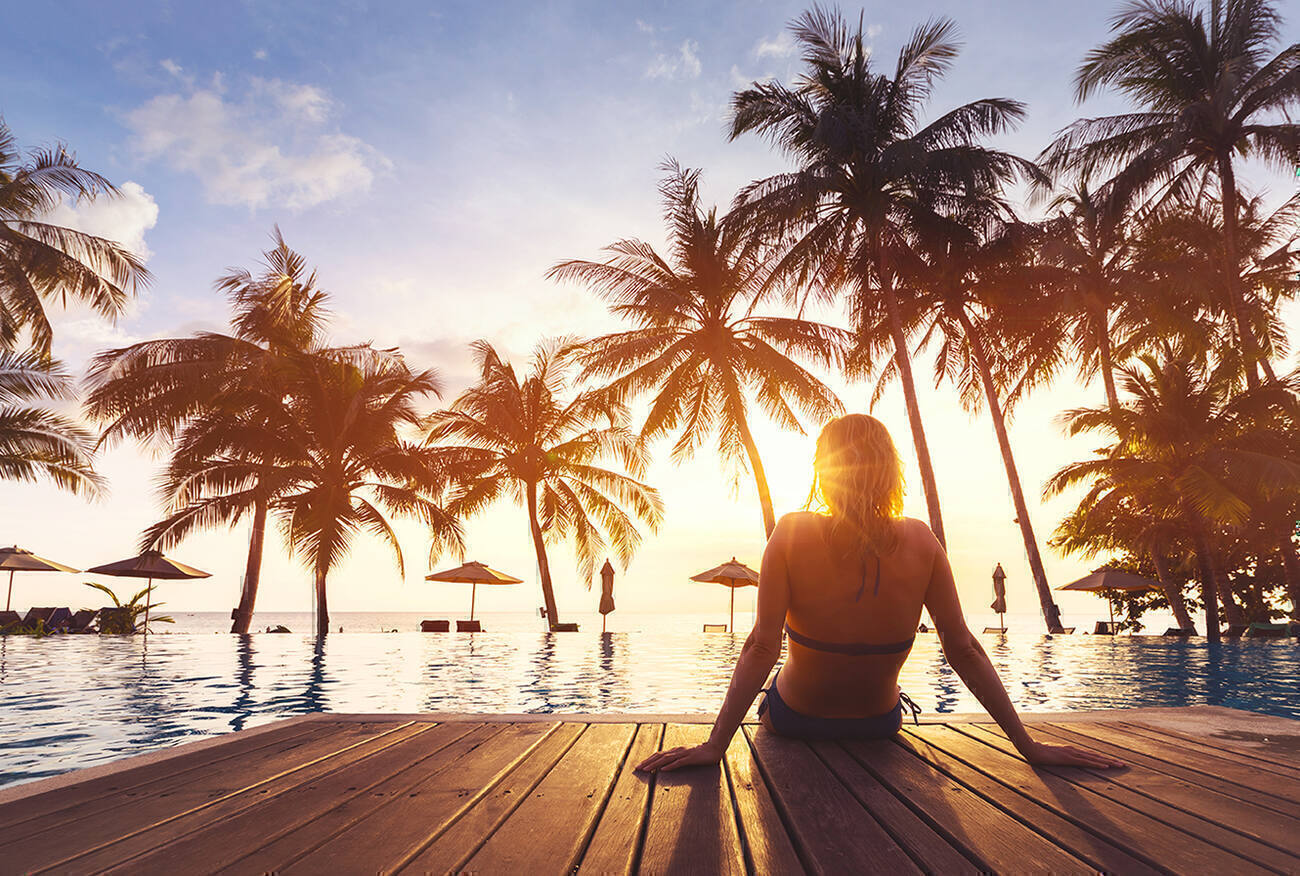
x=68 y=702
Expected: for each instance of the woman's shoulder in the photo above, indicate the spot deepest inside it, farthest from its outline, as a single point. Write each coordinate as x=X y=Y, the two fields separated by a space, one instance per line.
x=798 y=524
x=916 y=534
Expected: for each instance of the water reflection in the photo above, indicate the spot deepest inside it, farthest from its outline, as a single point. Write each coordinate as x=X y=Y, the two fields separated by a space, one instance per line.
x=71 y=701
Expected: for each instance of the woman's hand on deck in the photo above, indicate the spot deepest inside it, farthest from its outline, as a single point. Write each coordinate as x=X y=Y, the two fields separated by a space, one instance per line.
x=1042 y=754
x=705 y=754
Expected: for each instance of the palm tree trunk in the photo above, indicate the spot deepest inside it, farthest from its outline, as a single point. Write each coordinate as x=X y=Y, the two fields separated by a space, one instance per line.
x=1051 y=612
x=1231 y=611
x=243 y=616
x=322 y=607
x=1105 y=357
x=760 y=478
x=1291 y=571
x=1209 y=589
x=928 y=483
x=543 y=567
x=1173 y=592
x=1232 y=272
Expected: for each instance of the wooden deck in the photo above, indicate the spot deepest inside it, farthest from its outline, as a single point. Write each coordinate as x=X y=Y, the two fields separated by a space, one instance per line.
x=353 y=794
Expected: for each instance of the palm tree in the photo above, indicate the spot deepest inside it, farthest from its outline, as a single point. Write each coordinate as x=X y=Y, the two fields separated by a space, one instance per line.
x=1209 y=93
x=977 y=286
x=698 y=345
x=869 y=171
x=41 y=261
x=36 y=442
x=1190 y=449
x=506 y=436
x=330 y=465
x=153 y=391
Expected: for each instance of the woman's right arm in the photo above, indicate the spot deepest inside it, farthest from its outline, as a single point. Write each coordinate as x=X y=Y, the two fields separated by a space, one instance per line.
x=972 y=665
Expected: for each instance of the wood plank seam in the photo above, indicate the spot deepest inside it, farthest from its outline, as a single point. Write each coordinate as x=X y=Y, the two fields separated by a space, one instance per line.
x=1271 y=764
x=406 y=859
x=805 y=854
x=216 y=800
x=1152 y=813
x=604 y=802
x=649 y=802
x=902 y=798
x=735 y=814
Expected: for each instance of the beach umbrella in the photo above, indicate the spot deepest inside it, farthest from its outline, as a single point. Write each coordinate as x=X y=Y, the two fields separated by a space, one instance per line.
x=15 y=559
x=606 y=592
x=1000 y=595
x=475 y=574
x=149 y=565
x=732 y=575
x=1111 y=579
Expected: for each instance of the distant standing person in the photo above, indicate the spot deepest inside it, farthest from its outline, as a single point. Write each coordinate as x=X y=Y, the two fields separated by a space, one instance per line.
x=848 y=586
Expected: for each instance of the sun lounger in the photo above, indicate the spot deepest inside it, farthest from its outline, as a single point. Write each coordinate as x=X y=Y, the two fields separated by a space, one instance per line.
x=39 y=617
x=564 y=628
x=9 y=620
x=715 y=628
x=81 y=620
x=469 y=626
x=60 y=619
x=986 y=629
x=435 y=626
x=1177 y=632
x=1106 y=628
x=1266 y=631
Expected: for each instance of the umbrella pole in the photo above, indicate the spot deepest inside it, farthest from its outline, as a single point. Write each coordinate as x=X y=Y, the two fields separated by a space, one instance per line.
x=1110 y=603
x=604 y=619
x=11 y=589
x=473 y=597
x=148 y=601
x=731 y=624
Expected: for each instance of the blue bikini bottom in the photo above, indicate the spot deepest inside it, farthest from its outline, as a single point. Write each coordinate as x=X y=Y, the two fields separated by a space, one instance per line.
x=785 y=721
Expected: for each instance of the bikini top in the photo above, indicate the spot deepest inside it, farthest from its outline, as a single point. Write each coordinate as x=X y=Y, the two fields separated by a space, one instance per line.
x=853 y=648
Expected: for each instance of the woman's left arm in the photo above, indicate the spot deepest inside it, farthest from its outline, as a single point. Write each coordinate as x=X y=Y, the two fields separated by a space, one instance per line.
x=761 y=651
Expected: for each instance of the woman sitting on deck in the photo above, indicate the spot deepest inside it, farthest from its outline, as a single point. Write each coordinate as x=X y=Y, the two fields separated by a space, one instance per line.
x=848 y=587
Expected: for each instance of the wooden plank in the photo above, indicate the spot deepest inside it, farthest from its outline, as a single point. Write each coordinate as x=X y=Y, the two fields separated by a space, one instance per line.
x=145 y=837
x=1290 y=760
x=449 y=849
x=1100 y=852
x=691 y=827
x=1108 y=784
x=100 y=822
x=831 y=830
x=278 y=829
x=1231 y=778
x=18 y=818
x=549 y=830
x=1249 y=819
x=616 y=843
x=766 y=840
x=983 y=832
x=1234 y=753
x=933 y=852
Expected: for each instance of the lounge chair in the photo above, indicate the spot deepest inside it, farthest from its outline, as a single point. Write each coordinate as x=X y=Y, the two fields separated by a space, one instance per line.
x=435 y=626
x=470 y=626
x=1106 y=628
x=60 y=619
x=922 y=629
x=564 y=628
x=9 y=620
x=1178 y=632
x=715 y=628
x=1266 y=631
x=80 y=622
x=38 y=617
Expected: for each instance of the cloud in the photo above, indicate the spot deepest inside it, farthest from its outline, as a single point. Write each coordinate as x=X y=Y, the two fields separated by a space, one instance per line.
x=123 y=219
x=780 y=46
x=683 y=65
x=271 y=144
x=643 y=27
x=873 y=31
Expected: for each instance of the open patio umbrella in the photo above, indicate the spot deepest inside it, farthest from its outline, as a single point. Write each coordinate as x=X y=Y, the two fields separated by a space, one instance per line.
x=15 y=559
x=733 y=574
x=606 y=592
x=1111 y=579
x=149 y=565
x=475 y=574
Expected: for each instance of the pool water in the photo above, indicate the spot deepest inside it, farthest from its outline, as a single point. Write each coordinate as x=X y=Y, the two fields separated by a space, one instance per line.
x=73 y=701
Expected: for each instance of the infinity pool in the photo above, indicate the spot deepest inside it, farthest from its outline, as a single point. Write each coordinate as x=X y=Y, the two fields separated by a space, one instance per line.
x=72 y=701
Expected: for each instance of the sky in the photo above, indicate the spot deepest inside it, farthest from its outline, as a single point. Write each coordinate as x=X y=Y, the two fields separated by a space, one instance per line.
x=432 y=160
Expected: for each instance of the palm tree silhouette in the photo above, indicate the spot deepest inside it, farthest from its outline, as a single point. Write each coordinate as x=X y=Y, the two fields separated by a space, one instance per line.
x=1192 y=448
x=698 y=345
x=509 y=437
x=329 y=466
x=155 y=390
x=41 y=261
x=1209 y=93
x=869 y=172
x=35 y=442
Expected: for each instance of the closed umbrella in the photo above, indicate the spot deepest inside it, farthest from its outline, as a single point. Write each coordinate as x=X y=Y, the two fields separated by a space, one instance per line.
x=1000 y=596
x=606 y=592
x=733 y=574
x=150 y=565
x=475 y=574
x=1111 y=579
x=15 y=559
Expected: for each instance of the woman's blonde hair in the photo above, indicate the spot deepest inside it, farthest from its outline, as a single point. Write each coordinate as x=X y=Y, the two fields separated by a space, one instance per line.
x=858 y=480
